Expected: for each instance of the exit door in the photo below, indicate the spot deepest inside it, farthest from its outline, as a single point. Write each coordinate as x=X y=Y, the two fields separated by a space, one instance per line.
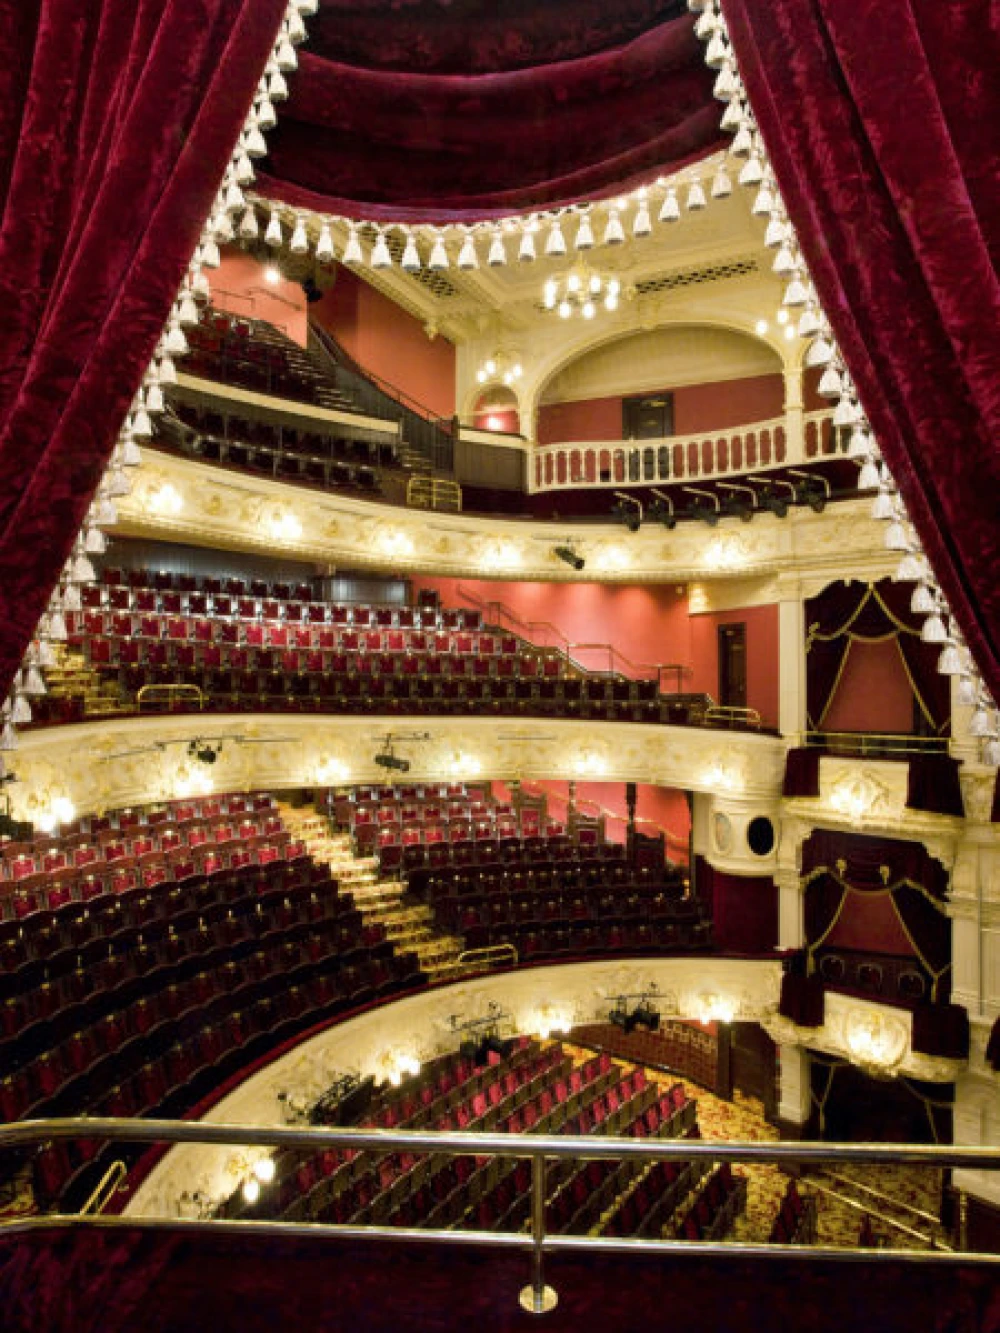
x=733 y=665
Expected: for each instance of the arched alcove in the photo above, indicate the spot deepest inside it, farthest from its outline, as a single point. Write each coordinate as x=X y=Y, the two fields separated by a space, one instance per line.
x=496 y=408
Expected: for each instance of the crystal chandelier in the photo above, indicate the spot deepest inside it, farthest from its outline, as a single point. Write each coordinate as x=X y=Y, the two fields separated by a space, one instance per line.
x=581 y=291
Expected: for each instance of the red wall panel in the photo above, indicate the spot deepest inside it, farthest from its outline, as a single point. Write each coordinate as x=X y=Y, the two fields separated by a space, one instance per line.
x=716 y=405
x=874 y=692
x=762 y=656
x=239 y=286
x=388 y=342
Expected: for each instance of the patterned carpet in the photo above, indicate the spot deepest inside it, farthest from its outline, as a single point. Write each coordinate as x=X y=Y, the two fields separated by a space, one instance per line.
x=838 y=1222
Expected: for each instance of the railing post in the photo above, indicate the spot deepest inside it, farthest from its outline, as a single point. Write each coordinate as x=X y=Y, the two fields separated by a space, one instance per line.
x=537 y=1298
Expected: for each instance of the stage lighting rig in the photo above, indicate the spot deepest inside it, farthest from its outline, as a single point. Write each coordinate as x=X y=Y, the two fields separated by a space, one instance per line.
x=205 y=752
x=710 y=512
x=569 y=556
x=662 y=510
x=628 y=510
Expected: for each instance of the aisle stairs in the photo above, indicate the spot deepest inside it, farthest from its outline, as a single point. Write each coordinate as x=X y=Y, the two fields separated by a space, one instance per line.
x=409 y=926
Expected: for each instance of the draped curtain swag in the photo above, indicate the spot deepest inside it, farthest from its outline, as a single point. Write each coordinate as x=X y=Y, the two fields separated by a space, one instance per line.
x=117 y=120
x=882 y=123
x=848 y=613
x=460 y=111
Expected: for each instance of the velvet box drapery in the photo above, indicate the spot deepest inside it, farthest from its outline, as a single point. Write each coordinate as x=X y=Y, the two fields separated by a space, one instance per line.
x=845 y=613
x=117 y=120
x=882 y=123
x=461 y=111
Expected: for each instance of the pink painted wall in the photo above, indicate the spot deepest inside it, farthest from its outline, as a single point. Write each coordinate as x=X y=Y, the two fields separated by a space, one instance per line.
x=388 y=342
x=239 y=286
x=762 y=656
x=648 y=624
x=697 y=407
x=874 y=692
x=497 y=418
x=590 y=419
x=656 y=808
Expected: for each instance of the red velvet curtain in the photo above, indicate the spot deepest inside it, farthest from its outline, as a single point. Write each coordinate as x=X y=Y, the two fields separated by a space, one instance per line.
x=457 y=109
x=882 y=122
x=118 y=118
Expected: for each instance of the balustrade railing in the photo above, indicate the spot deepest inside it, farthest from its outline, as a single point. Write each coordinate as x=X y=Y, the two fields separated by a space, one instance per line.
x=758 y=445
x=541 y=1149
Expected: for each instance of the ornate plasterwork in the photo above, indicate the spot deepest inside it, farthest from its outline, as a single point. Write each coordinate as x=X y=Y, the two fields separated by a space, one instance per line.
x=875 y=1036
x=130 y=761
x=424 y=1025
x=218 y=507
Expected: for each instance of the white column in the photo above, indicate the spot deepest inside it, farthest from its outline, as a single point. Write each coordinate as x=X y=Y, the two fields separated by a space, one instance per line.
x=791 y=660
x=794 y=1100
x=791 y=917
x=795 y=441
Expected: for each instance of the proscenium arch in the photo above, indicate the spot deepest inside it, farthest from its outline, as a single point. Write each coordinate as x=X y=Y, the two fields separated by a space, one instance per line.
x=590 y=339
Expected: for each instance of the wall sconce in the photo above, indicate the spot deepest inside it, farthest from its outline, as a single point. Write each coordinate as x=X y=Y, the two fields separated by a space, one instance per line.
x=394 y=542
x=710 y=1007
x=395 y=1065
x=464 y=765
x=876 y=1044
x=613 y=558
x=331 y=771
x=166 y=501
x=56 y=811
x=285 y=526
x=590 y=764
x=546 y=1020
x=720 y=778
x=501 y=555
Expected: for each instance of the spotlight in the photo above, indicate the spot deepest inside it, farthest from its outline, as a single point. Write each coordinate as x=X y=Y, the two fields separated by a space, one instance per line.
x=388 y=760
x=312 y=292
x=662 y=510
x=625 y=513
x=204 y=752
x=811 y=490
x=711 y=511
x=770 y=498
x=569 y=556
x=642 y=1016
x=734 y=504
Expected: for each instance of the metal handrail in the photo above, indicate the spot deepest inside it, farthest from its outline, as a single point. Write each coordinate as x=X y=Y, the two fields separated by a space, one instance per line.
x=732 y=713
x=879 y=1216
x=106 y=1186
x=491 y=953
x=882 y=1197
x=536 y=1296
x=873 y=742
x=502 y=610
x=169 y=692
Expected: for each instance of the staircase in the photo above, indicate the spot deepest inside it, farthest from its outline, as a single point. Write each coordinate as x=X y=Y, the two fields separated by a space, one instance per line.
x=72 y=677
x=410 y=927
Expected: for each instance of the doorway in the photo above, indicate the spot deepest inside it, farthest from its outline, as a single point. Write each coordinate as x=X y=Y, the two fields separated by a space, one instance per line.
x=649 y=417
x=733 y=665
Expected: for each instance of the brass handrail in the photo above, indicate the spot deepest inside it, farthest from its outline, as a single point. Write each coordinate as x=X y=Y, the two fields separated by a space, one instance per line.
x=169 y=692
x=885 y=1198
x=105 y=1189
x=488 y=954
x=732 y=713
x=888 y=741
x=536 y=1295
x=879 y=1216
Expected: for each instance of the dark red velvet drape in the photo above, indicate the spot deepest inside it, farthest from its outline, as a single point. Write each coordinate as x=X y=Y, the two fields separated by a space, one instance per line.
x=118 y=118
x=869 y=612
x=882 y=123
x=461 y=110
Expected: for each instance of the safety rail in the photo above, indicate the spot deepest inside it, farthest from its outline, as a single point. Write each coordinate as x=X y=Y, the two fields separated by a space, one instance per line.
x=874 y=744
x=500 y=614
x=729 y=452
x=491 y=955
x=734 y=716
x=169 y=694
x=901 y=1205
x=438 y=493
x=537 y=1297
